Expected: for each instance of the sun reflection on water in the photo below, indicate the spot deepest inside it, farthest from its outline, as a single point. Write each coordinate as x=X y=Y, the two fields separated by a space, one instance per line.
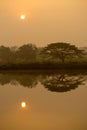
x=23 y=104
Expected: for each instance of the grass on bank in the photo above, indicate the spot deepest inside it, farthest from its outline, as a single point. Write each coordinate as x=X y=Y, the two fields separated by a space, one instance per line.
x=43 y=65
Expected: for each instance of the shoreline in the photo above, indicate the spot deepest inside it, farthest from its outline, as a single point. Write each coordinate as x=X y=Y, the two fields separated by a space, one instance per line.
x=44 y=66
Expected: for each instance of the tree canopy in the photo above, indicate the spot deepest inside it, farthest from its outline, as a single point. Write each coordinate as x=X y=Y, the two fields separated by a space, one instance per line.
x=27 y=52
x=6 y=54
x=61 y=51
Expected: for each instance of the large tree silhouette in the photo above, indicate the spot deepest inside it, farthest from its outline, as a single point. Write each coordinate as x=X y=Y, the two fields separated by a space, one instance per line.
x=61 y=51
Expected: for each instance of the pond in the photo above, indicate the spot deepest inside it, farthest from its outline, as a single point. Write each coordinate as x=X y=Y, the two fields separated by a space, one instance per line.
x=43 y=100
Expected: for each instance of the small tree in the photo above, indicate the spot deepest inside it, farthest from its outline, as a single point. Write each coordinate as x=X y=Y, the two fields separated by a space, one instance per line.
x=61 y=51
x=27 y=52
x=6 y=55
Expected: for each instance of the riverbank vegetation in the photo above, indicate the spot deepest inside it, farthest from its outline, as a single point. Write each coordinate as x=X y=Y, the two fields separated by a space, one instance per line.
x=53 y=56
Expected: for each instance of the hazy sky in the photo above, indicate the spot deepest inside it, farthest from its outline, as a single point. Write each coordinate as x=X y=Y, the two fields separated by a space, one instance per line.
x=47 y=21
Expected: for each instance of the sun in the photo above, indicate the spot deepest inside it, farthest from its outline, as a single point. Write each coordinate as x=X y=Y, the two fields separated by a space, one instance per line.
x=22 y=17
x=23 y=104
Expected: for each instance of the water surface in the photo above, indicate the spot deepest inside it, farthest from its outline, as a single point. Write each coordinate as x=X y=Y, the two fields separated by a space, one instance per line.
x=54 y=100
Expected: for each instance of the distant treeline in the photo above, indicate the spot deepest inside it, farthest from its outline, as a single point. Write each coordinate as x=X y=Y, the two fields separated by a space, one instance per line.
x=54 y=55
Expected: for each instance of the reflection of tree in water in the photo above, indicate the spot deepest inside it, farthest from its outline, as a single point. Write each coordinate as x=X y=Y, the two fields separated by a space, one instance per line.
x=55 y=82
x=27 y=80
x=62 y=82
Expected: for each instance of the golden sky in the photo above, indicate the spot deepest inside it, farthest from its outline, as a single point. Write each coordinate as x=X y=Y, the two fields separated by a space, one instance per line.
x=46 y=21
